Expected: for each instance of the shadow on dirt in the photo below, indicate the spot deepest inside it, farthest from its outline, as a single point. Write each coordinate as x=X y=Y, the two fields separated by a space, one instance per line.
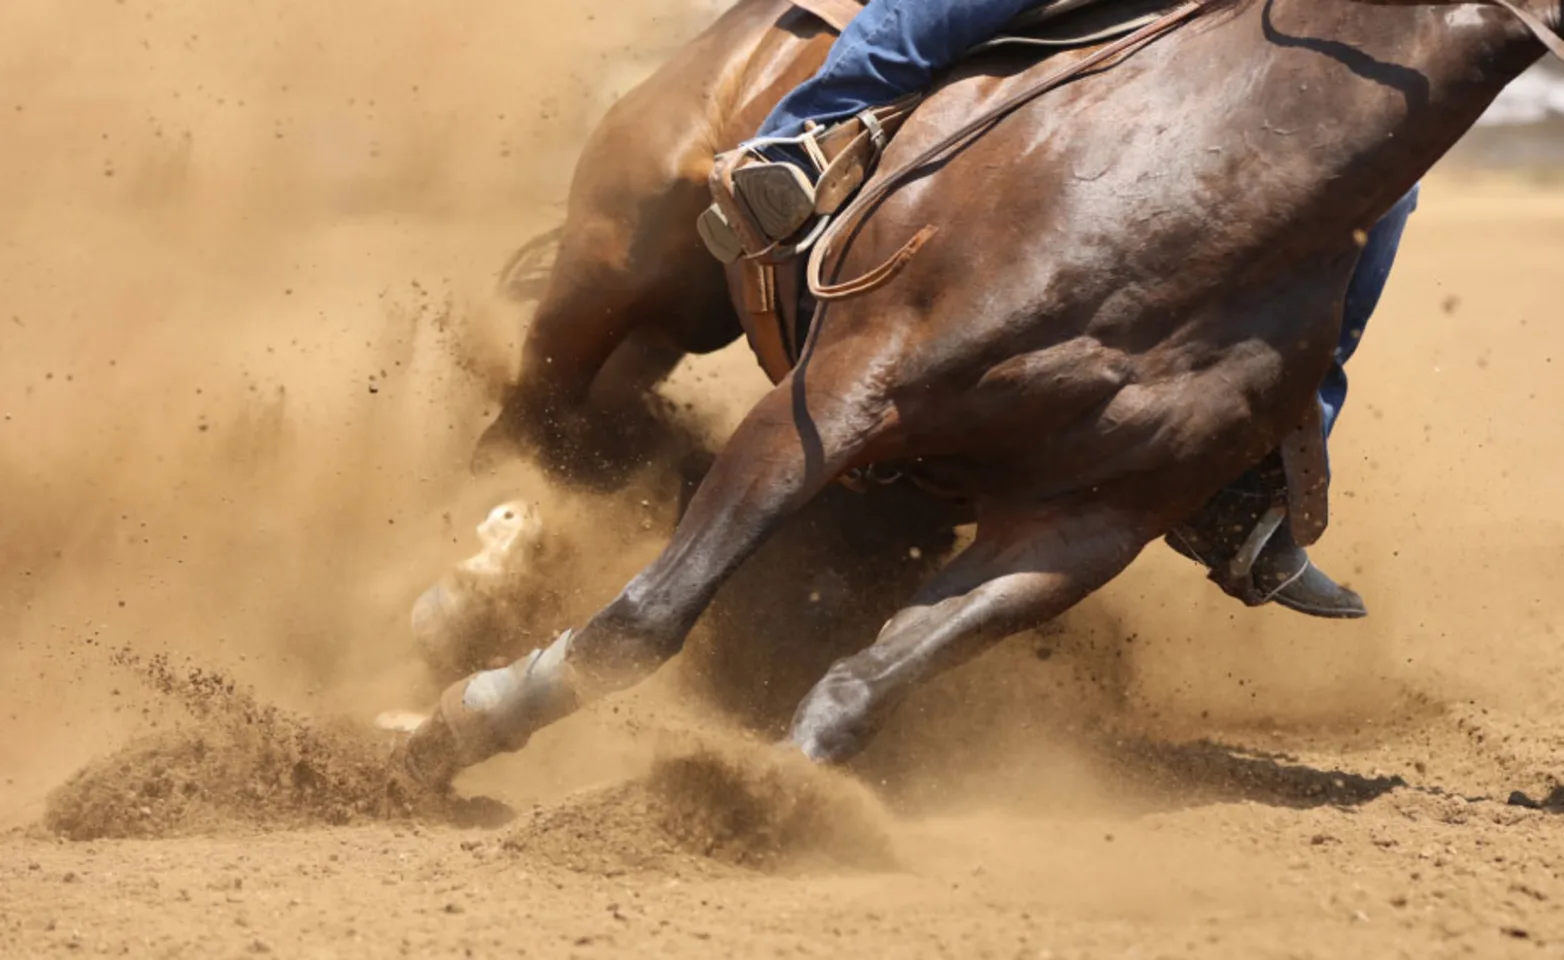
x=1552 y=803
x=1183 y=775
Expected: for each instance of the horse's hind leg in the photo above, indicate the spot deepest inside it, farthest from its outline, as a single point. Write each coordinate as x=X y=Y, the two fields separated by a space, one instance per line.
x=631 y=284
x=1017 y=574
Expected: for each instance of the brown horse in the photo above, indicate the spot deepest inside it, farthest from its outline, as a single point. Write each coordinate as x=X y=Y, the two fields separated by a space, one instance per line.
x=1132 y=296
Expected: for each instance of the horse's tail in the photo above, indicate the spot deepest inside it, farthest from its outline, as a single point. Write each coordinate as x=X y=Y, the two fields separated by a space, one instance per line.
x=526 y=271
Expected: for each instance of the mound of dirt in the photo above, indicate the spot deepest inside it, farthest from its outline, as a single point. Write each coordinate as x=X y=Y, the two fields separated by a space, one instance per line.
x=202 y=781
x=712 y=805
x=241 y=764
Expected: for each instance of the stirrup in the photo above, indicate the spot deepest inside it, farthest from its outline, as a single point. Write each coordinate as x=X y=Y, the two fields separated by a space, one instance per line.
x=762 y=204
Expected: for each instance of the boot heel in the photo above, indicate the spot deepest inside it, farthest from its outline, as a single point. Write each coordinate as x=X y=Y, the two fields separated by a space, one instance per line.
x=778 y=194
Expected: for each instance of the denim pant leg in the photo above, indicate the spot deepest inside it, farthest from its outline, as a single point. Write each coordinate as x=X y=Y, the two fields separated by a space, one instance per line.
x=892 y=48
x=1363 y=293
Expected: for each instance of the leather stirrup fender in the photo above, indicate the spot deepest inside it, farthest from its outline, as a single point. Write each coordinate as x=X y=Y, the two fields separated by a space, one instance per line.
x=1308 y=479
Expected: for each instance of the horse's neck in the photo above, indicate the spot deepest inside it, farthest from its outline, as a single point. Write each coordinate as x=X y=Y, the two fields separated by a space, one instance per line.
x=1479 y=46
x=1428 y=71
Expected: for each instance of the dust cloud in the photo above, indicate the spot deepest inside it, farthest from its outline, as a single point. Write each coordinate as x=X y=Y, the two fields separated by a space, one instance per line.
x=249 y=330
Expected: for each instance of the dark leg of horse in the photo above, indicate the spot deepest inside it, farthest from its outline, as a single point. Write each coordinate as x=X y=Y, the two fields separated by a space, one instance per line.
x=761 y=477
x=590 y=358
x=631 y=291
x=785 y=451
x=1018 y=573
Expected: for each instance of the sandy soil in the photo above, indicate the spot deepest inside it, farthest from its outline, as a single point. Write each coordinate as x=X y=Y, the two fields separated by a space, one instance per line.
x=247 y=335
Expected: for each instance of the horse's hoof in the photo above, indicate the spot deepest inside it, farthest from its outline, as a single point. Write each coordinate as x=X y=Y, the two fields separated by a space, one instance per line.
x=456 y=622
x=435 y=750
x=490 y=712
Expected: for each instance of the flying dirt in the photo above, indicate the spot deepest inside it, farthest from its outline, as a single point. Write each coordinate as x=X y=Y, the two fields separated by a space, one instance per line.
x=250 y=330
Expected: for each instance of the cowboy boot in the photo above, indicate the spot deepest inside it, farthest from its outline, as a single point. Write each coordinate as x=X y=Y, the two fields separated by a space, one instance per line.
x=773 y=191
x=764 y=194
x=1242 y=537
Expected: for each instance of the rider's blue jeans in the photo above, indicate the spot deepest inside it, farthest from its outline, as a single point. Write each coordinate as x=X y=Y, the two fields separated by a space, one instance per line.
x=895 y=47
x=1363 y=292
x=892 y=48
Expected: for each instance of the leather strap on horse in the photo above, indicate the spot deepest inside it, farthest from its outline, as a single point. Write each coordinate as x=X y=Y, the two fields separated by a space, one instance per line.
x=882 y=274
x=850 y=147
x=1308 y=479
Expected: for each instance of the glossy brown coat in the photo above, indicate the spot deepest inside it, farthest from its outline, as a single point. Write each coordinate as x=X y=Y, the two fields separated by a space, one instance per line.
x=1133 y=294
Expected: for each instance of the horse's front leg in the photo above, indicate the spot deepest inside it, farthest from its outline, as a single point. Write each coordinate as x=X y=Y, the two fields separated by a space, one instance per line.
x=783 y=453
x=1021 y=571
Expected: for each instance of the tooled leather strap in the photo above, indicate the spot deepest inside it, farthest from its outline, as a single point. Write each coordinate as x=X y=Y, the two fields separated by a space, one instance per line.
x=852 y=146
x=1308 y=480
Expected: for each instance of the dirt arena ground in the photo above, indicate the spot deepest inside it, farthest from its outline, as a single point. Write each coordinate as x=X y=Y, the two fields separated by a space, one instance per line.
x=248 y=331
